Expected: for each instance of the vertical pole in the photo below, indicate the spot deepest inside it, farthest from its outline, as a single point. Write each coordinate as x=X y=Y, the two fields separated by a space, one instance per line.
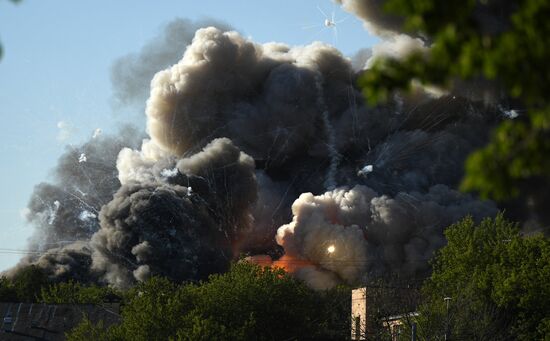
x=447 y=331
x=413 y=332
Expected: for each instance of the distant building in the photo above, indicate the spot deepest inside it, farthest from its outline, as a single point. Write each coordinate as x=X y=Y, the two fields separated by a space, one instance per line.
x=395 y=325
x=359 y=314
x=35 y=321
x=371 y=312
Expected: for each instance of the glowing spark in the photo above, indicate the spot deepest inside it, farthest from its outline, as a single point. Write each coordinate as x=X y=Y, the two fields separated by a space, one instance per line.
x=331 y=249
x=365 y=170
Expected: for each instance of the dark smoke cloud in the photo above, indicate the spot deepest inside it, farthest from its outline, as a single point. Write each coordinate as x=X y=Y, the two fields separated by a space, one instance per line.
x=132 y=74
x=184 y=232
x=492 y=17
x=296 y=111
x=489 y=17
x=377 y=21
x=84 y=179
x=238 y=131
x=157 y=229
x=69 y=262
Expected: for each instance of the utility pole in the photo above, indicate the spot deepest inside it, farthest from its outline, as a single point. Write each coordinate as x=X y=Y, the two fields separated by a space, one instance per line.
x=447 y=331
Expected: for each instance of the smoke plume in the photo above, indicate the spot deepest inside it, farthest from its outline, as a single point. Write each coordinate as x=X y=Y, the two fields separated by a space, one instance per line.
x=131 y=74
x=238 y=131
x=492 y=17
x=349 y=234
x=67 y=209
x=376 y=20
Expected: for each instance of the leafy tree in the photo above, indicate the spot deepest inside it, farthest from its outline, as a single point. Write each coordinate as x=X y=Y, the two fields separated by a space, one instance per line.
x=28 y=283
x=496 y=282
x=248 y=302
x=155 y=310
x=514 y=54
x=86 y=330
x=75 y=293
x=279 y=305
x=24 y=286
x=7 y=291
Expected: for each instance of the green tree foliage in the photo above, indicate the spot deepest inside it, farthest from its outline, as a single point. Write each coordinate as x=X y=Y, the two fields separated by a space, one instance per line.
x=516 y=57
x=28 y=283
x=25 y=286
x=248 y=302
x=86 y=330
x=7 y=291
x=75 y=293
x=497 y=282
x=155 y=310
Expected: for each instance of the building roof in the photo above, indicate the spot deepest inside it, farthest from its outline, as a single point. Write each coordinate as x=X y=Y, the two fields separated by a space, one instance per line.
x=36 y=321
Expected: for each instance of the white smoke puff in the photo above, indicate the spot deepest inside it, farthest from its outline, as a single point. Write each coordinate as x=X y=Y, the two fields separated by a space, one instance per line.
x=141 y=165
x=360 y=58
x=87 y=215
x=354 y=232
x=66 y=130
x=142 y=251
x=325 y=220
x=365 y=170
x=25 y=213
x=169 y=173
x=96 y=133
x=142 y=273
x=396 y=47
x=508 y=113
x=317 y=279
x=53 y=211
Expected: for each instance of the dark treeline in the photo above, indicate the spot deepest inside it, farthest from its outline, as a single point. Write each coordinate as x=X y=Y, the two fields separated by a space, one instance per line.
x=490 y=271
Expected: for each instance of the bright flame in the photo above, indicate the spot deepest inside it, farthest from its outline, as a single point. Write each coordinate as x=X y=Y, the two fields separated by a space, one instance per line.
x=331 y=249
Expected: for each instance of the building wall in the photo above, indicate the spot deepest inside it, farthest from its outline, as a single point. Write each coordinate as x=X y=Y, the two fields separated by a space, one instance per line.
x=358 y=314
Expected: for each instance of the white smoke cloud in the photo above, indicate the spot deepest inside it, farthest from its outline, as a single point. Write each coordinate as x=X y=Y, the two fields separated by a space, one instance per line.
x=352 y=233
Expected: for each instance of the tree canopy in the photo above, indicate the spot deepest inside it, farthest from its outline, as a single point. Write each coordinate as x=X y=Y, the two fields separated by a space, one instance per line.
x=248 y=302
x=495 y=281
x=514 y=55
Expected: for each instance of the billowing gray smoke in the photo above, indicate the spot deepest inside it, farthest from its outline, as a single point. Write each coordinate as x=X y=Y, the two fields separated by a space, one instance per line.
x=491 y=16
x=350 y=234
x=131 y=74
x=296 y=111
x=377 y=21
x=84 y=180
x=183 y=227
x=238 y=131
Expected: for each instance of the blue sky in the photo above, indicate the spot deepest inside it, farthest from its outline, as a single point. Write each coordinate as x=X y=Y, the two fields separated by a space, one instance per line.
x=56 y=67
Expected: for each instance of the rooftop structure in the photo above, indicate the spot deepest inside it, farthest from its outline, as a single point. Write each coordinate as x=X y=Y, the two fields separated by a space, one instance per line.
x=35 y=321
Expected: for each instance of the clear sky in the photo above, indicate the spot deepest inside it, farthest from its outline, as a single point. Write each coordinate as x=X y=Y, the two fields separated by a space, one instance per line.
x=56 y=67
